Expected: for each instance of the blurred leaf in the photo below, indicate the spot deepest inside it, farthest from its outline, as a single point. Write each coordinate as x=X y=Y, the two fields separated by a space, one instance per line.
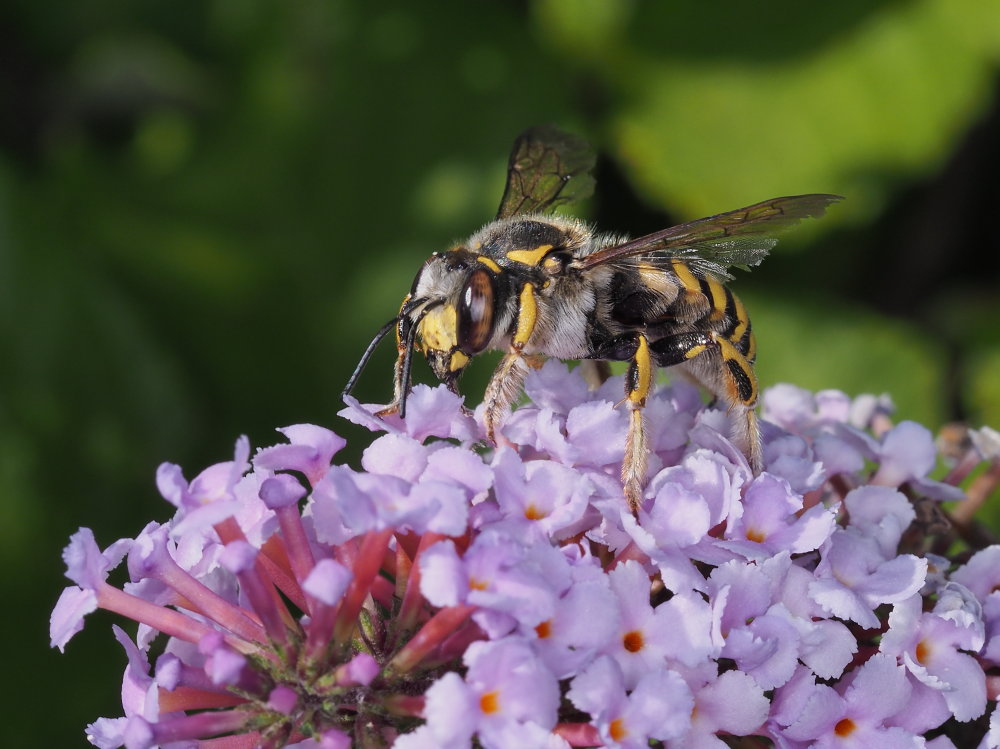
x=818 y=343
x=984 y=379
x=887 y=94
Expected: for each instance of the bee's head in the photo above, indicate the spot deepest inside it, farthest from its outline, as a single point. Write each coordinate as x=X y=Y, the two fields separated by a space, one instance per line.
x=450 y=313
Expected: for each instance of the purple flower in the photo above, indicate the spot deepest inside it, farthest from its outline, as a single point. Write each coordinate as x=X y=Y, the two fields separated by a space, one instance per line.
x=856 y=714
x=447 y=596
x=507 y=698
x=658 y=707
x=930 y=645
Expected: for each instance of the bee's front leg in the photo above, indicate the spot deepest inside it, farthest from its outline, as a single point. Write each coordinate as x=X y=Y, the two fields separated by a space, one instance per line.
x=502 y=390
x=509 y=375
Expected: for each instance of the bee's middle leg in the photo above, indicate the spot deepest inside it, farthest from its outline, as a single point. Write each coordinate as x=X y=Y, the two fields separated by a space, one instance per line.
x=634 y=348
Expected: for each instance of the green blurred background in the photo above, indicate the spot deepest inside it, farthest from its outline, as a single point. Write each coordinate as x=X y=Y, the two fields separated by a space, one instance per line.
x=208 y=208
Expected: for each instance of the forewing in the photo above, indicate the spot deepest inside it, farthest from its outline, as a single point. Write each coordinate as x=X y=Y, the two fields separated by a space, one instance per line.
x=548 y=168
x=739 y=238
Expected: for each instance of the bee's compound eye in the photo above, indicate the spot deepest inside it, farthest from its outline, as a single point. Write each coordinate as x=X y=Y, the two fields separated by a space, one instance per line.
x=475 y=313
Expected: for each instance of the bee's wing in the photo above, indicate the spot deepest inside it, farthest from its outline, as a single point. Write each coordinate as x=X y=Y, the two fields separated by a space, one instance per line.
x=739 y=238
x=547 y=168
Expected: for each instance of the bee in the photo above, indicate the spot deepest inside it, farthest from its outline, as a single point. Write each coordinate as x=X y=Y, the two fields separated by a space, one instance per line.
x=533 y=284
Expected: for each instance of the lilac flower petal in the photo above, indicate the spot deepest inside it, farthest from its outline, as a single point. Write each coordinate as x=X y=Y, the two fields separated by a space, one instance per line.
x=443 y=580
x=85 y=564
x=597 y=430
x=907 y=452
x=767 y=649
x=937 y=490
x=840 y=601
x=895 y=580
x=879 y=690
x=960 y=678
x=880 y=512
x=437 y=412
x=832 y=405
x=555 y=387
x=67 y=617
x=444 y=508
x=924 y=711
x=137 y=681
x=327 y=581
x=981 y=574
x=107 y=733
x=364 y=415
x=661 y=705
x=837 y=455
x=733 y=703
x=791 y=458
x=459 y=466
x=281 y=491
x=597 y=687
x=171 y=483
x=451 y=710
x=310 y=452
x=396 y=455
x=362 y=669
x=821 y=709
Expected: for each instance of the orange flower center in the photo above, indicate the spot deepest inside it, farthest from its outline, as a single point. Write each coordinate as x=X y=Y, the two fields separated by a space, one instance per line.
x=617 y=729
x=490 y=702
x=533 y=513
x=755 y=535
x=544 y=629
x=633 y=641
x=844 y=728
x=923 y=652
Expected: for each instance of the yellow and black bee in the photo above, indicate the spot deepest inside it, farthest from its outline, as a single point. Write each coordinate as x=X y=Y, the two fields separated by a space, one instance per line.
x=532 y=284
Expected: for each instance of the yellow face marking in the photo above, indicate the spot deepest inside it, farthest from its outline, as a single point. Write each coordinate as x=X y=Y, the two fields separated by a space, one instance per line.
x=644 y=373
x=529 y=257
x=685 y=276
x=457 y=361
x=526 y=317
x=439 y=329
x=489 y=263
x=717 y=296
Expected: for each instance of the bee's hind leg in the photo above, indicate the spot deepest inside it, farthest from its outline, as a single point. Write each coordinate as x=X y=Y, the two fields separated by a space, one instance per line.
x=638 y=383
x=727 y=374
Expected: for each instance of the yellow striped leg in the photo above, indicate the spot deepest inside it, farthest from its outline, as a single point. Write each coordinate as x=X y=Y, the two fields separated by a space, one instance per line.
x=638 y=383
x=510 y=373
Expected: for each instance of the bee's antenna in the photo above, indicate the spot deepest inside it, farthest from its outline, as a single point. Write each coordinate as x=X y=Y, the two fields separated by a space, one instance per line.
x=382 y=333
x=407 y=360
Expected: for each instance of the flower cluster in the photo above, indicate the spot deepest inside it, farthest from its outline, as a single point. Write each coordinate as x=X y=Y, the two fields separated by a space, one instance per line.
x=446 y=595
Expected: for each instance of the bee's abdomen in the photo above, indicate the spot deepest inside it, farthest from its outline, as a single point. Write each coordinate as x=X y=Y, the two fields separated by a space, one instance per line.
x=710 y=305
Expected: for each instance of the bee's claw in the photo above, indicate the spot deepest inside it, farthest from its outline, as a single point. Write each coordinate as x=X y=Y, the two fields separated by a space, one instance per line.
x=390 y=410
